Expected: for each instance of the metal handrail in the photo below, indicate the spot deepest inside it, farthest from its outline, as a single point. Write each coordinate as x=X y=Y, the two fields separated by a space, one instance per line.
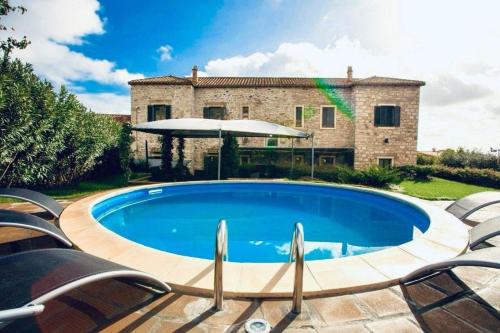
x=297 y=254
x=220 y=256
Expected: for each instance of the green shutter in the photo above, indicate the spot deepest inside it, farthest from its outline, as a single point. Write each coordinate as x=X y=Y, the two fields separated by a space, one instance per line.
x=151 y=116
x=206 y=113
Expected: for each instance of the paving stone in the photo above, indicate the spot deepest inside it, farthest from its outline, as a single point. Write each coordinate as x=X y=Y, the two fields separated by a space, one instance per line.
x=474 y=274
x=334 y=310
x=397 y=325
x=384 y=302
x=489 y=296
x=278 y=314
x=439 y=320
x=134 y=322
x=475 y=314
x=421 y=294
x=356 y=328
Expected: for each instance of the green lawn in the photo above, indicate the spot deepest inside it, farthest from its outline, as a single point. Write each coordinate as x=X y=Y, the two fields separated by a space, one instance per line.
x=440 y=189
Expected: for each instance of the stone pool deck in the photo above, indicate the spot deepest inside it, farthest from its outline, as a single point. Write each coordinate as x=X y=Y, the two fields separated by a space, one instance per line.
x=464 y=300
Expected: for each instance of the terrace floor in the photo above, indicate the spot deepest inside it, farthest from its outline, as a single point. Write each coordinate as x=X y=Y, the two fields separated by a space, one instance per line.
x=464 y=300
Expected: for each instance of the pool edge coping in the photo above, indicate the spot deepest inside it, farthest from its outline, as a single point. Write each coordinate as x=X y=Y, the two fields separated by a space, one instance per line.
x=445 y=238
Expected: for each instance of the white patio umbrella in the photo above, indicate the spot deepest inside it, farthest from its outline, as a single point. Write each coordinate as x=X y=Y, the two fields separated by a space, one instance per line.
x=213 y=128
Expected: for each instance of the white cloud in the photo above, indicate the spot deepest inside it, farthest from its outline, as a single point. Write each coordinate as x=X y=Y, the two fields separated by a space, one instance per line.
x=165 y=52
x=425 y=40
x=52 y=25
x=105 y=102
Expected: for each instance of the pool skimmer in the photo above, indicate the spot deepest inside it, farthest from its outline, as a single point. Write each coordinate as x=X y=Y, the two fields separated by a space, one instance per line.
x=257 y=326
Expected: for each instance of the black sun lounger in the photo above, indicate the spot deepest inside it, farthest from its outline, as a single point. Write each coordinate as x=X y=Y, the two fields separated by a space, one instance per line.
x=489 y=257
x=484 y=231
x=30 y=279
x=464 y=207
x=37 y=198
x=9 y=218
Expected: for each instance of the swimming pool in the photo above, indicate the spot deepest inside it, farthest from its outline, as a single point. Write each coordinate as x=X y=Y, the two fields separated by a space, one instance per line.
x=338 y=221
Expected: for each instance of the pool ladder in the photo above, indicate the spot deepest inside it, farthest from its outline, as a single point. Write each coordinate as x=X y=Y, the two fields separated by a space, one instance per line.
x=220 y=256
x=296 y=254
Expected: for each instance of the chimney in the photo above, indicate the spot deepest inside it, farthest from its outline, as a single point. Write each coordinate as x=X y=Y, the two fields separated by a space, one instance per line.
x=349 y=74
x=195 y=74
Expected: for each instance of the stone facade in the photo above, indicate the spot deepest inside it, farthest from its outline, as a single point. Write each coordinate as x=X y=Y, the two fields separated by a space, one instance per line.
x=277 y=104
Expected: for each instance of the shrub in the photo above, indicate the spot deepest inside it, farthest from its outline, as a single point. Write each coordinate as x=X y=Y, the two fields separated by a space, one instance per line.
x=47 y=138
x=376 y=176
x=462 y=158
x=483 y=177
x=416 y=172
x=230 y=159
x=423 y=159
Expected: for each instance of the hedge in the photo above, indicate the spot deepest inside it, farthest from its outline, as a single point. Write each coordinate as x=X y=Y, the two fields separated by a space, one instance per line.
x=483 y=177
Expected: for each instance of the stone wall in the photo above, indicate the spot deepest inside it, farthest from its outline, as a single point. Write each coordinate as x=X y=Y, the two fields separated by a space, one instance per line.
x=278 y=105
x=275 y=105
x=179 y=97
x=369 y=142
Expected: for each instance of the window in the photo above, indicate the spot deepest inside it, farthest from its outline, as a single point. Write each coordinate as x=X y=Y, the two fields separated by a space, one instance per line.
x=244 y=159
x=387 y=115
x=299 y=116
x=245 y=141
x=327 y=117
x=272 y=142
x=327 y=160
x=159 y=112
x=298 y=159
x=213 y=112
x=385 y=162
x=245 y=112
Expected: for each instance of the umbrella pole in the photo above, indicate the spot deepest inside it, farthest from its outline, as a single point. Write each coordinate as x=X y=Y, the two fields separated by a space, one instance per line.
x=218 y=168
x=312 y=156
x=291 y=171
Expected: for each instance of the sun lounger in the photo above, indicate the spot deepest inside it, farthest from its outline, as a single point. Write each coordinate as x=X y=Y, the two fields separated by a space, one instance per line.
x=37 y=198
x=484 y=231
x=30 y=279
x=489 y=257
x=464 y=207
x=9 y=218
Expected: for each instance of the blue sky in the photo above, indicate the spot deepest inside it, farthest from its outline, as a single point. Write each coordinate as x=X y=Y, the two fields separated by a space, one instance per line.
x=96 y=46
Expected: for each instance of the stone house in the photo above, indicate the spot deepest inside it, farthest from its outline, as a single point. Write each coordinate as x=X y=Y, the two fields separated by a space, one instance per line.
x=358 y=122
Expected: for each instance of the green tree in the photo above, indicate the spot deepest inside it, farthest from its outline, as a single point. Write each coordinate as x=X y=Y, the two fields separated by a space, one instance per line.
x=46 y=137
x=181 y=171
x=124 y=149
x=166 y=156
x=230 y=158
x=10 y=43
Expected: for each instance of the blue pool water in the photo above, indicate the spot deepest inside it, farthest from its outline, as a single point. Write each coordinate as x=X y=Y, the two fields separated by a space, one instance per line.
x=260 y=217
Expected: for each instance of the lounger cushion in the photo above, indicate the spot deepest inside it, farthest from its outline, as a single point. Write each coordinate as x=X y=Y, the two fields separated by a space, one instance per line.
x=37 y=198
x=464 y=207
x=28 y=275
x=489 y=257
x=484 y=231
x=10 y=218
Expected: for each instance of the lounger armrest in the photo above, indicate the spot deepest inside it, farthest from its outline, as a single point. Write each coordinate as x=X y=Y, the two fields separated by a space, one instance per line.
x=25 y=311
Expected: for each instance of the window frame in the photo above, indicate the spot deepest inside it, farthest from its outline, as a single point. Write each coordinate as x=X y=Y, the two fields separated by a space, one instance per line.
x=248 y=112
x=223 y=107
x=387 y=126
x=295 y=116
x=323 y=156
x=167 y=107
x=301 y=157
x=272 y=138
x=245 y=156
x=385 y=158
x=321 y=117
